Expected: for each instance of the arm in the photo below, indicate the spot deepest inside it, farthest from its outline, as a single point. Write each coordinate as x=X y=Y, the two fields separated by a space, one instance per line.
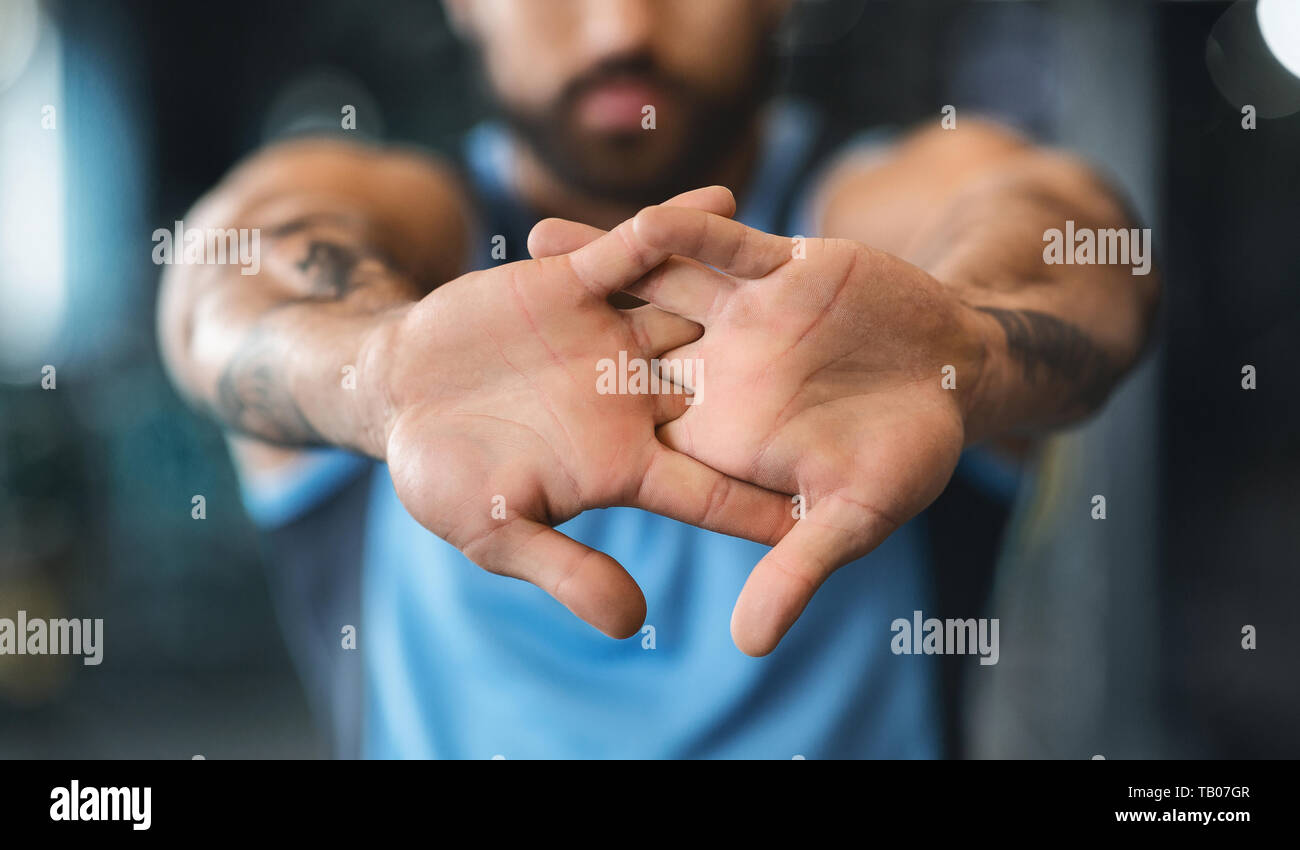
x=349 y=237
x=853 y=370
x=970 y=207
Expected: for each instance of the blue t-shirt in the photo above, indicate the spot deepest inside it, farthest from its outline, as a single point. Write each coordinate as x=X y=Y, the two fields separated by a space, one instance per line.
x=460 y=663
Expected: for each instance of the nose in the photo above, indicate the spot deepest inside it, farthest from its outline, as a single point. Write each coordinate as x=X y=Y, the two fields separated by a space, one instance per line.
x=615 y=27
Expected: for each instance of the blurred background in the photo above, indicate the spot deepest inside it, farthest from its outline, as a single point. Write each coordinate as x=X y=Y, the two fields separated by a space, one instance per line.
x=1121 y=638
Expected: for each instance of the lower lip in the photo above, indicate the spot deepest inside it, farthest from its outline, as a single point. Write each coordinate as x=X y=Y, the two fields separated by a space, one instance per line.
x=616 y=107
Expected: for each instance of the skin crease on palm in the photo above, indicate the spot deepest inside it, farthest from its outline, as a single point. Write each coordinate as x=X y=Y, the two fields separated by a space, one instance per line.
x=805 y=391
x=521 y=342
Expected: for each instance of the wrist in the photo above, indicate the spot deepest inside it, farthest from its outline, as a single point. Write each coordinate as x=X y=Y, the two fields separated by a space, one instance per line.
x=985 y=404
x=376 y=406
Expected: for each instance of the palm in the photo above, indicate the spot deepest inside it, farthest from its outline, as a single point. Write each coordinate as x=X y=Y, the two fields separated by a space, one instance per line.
x=826 y=400
x=501 y=432
x=822 y=376
x=517 y=414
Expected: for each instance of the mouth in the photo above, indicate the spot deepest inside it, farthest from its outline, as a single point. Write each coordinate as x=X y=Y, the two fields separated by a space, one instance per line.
x=618 y=105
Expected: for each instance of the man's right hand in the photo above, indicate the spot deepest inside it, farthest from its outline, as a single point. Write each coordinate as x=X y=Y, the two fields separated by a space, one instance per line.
x=491 y=402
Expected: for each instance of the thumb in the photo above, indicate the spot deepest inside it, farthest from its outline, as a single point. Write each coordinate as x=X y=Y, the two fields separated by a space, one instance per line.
x=831 y=534
x=589 y=583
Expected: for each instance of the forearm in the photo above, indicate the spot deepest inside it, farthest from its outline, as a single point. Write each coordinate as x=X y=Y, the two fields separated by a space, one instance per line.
x=971 y=207
x=348 y=236
x=284 y=355
x=1060 y=336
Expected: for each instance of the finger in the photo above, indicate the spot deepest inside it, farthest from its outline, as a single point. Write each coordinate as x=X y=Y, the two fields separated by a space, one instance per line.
x=657 y=331
x=682 y=367
x=678 y=389
x=553 y=236
x=727 y=245
x=831 y=534
x=715 y=199
x=589 y=583
x=684 y=489
x=684 y=287
x=670 y=405
x=560 y=236
x=676 y=435
x=614 y=261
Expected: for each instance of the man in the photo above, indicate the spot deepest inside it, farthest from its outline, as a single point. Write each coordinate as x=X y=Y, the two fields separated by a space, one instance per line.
x=841 y=379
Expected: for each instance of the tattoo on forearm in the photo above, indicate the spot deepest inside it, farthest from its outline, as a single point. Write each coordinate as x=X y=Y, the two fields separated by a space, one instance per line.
x=333 y=252
x=252 y=392
x=1049 y=348
x=330 y=266
x=253 y=396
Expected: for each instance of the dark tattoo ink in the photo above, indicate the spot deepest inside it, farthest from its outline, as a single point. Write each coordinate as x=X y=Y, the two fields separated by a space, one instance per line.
x=1049 y=348
x=252 y=394
x=333 y=251
x=329 y=266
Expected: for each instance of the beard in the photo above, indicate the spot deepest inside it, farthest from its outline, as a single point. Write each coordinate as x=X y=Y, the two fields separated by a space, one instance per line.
x=694 y=132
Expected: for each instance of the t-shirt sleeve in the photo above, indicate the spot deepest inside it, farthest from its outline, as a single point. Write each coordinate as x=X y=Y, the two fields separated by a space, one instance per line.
x=277 y=497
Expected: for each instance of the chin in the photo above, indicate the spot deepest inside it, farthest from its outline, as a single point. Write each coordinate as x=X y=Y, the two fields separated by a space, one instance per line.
x=628 y=173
